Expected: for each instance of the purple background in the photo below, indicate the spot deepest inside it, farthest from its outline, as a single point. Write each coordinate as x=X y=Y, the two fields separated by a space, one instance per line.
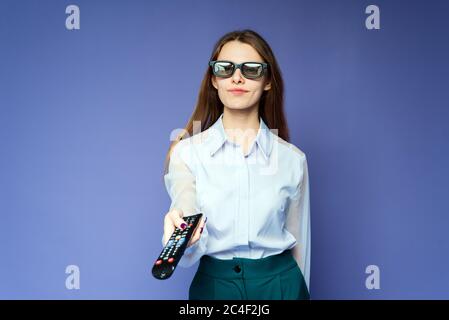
x=86 y=117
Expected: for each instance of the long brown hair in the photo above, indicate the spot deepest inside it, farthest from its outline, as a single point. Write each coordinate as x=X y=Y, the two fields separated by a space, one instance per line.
x=209 y=106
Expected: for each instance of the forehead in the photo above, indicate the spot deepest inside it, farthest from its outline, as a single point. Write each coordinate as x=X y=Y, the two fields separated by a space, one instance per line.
x=238 y=52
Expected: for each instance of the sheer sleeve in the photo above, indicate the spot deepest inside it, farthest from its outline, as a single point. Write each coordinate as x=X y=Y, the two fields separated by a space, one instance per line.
x=298 y=223
x=180 y=184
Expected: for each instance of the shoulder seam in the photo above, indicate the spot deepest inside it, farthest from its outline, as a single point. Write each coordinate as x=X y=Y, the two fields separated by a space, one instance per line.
x=291 y=147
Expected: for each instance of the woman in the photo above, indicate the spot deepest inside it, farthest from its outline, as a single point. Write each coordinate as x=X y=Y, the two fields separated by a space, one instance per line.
x=233 y=164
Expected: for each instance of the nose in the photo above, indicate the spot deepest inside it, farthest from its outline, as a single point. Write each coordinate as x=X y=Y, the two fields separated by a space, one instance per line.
x=237 y=76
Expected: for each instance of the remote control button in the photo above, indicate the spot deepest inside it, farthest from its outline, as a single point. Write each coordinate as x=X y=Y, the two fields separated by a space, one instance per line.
x=171 y=260
x=158 y=262
x=178 y=237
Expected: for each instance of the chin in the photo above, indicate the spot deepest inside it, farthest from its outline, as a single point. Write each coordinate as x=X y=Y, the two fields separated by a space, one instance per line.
x=238 y=107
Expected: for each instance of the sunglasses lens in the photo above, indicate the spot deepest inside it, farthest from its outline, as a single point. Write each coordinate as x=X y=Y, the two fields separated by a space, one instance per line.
x=223 y=69
x=252 y=70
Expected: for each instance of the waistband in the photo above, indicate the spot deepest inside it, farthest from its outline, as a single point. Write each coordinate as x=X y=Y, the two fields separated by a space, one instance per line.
x=245 y=268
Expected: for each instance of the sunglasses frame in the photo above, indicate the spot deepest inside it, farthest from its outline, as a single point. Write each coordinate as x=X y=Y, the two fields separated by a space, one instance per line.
x=238 y=66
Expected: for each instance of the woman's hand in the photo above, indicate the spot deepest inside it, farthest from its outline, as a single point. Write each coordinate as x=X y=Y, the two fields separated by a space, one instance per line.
x=173 y=219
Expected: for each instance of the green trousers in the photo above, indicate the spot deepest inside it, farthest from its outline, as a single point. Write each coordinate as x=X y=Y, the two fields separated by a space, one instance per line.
x=276 y=277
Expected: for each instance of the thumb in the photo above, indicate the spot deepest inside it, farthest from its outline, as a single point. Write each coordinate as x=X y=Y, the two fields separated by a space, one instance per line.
x=178 y=214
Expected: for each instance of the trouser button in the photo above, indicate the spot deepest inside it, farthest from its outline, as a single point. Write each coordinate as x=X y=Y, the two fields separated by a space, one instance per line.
x=237 y=269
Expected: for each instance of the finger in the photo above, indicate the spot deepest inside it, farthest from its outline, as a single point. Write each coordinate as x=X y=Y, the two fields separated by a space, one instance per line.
x=197 y=234
x=169 y=225
x=176 y=215
x=203 y=222
x=195 y=237
x=169 y=228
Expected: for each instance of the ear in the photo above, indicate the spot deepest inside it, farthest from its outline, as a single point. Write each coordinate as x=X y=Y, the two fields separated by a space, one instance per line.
x=267 y=86
x=214 y=82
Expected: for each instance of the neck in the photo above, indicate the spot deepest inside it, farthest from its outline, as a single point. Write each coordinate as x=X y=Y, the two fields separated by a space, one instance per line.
x=241 y=125
x=241 y=119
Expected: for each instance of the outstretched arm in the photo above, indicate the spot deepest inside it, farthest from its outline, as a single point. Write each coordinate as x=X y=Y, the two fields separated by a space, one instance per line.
x=180 y=183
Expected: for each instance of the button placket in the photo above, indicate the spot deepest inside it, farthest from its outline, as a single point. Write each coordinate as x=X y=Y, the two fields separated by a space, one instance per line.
x=243 y=209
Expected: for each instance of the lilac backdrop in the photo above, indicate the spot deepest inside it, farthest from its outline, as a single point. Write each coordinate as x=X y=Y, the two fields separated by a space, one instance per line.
x=86 y=116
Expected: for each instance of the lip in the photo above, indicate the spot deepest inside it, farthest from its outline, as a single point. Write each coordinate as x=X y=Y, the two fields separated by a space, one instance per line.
x=237 y=91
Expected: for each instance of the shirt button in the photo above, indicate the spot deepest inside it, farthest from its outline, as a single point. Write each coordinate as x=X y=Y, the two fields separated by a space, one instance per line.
x=237 y=269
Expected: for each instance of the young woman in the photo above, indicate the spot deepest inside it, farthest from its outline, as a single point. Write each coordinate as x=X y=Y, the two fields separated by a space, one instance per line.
x=233 y=164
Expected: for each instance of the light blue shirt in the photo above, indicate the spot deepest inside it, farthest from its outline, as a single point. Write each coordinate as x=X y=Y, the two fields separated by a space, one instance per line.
x=257 y=205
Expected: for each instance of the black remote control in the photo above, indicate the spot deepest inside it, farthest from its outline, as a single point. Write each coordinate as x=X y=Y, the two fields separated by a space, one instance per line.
x=167 y=261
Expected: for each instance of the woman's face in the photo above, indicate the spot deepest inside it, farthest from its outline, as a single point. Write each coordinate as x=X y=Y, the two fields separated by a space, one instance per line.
x=239 y=52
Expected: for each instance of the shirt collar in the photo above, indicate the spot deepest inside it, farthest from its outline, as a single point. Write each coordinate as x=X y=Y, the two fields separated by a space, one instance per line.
x=217 y=137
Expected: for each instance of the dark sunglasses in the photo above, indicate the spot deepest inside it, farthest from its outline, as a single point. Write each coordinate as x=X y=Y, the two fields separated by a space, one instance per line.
x=250 y=70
